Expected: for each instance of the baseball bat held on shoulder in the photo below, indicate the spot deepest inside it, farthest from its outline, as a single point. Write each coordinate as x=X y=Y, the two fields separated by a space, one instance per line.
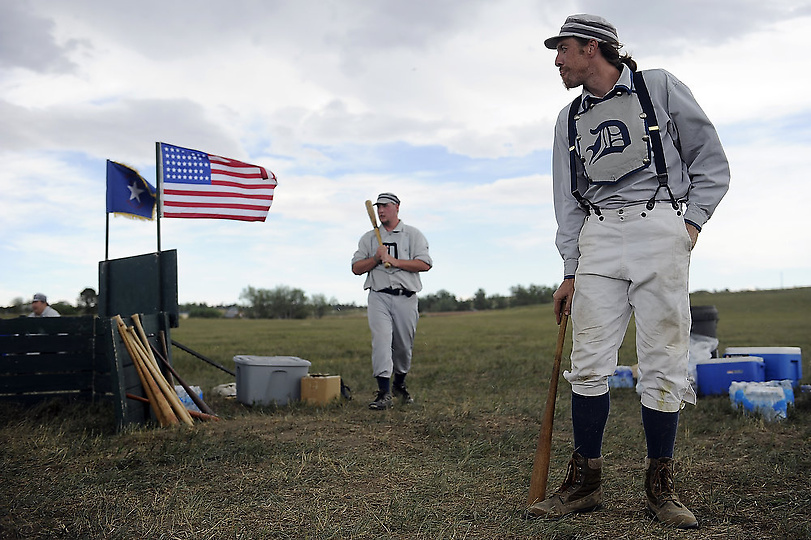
x=373 y=218
x=543 y=452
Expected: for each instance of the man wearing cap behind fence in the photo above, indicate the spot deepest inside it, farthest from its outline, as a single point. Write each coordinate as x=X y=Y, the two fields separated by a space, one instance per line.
x=638 y=169
x=393 y=279
x=40 y=307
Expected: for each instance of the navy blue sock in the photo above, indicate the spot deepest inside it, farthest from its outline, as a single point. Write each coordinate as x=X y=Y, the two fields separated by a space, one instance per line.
x=660 y=432
x=589 y=416
x=384 y=384
x=399 y=379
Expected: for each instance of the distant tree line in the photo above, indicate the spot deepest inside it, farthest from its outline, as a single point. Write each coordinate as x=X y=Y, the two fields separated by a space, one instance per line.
x=286 y=303
x=86 y=304
x=289 y=303
x=519 y=296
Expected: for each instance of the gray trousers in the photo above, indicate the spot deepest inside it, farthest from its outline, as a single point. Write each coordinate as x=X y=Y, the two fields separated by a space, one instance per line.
x=393 y=322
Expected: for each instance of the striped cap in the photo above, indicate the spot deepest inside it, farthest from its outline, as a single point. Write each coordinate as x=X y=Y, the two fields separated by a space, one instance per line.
x=387 y=198
x=587 y=27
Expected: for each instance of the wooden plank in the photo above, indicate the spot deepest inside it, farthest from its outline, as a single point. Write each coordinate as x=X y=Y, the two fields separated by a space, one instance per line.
x=18 y=364
x=48 y=325
x=46 y=382
x=32 y=399
x=21 y=343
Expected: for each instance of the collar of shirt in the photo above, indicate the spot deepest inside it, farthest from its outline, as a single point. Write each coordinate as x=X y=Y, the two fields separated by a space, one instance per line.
x=398 y=227
x=624 y=85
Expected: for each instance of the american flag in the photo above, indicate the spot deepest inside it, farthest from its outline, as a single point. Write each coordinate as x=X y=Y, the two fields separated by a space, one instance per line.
x=195 y=184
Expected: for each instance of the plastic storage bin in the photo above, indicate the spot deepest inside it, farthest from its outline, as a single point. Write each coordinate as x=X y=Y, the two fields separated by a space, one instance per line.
x=265 y=380
x=781 y=362
x=715 y=375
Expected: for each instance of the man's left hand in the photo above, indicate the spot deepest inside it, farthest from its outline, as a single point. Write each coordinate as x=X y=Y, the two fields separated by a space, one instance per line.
x=693 y=232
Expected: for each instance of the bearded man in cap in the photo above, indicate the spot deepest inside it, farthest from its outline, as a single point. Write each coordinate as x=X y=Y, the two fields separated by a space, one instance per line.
x=638 y=169
x=393 y=278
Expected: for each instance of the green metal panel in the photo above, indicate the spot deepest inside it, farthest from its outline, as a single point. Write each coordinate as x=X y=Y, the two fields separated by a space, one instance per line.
x=141 y=284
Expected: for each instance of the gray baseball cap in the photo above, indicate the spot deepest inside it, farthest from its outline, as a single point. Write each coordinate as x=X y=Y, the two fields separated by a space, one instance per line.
x=39 y=297
x=387 y=198
x=587 y=27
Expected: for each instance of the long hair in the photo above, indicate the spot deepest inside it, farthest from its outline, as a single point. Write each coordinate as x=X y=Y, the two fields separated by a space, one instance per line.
x=612 y=54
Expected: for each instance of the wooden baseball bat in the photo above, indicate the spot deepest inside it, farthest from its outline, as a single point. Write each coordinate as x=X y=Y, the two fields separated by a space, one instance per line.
x=161 y=397
x=373 y=218
x=163 y=412
x=195 y=414
x=543 y=452
x=168 y=391
x=194 y=397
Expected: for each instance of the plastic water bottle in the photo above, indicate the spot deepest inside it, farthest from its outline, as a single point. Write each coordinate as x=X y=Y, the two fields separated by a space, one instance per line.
x=623 y=377
x=186 y=400
x=769 y=399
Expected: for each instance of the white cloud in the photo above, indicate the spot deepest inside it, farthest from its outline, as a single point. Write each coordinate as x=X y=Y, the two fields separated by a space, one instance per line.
x=449 y=104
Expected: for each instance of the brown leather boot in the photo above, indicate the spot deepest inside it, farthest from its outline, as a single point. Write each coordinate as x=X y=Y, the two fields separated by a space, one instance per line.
x=661 y=492
x=581 y=491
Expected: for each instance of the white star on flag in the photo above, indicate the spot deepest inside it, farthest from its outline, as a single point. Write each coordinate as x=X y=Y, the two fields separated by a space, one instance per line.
x=135 y=192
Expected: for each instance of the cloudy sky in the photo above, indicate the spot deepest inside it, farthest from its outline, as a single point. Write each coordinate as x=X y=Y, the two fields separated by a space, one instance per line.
x=450 y=104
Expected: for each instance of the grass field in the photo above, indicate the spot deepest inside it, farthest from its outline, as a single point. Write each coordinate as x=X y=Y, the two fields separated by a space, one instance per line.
x=455 y=464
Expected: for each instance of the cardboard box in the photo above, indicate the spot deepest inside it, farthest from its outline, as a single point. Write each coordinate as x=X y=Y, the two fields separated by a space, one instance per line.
x=715 y=375
x=319 y=389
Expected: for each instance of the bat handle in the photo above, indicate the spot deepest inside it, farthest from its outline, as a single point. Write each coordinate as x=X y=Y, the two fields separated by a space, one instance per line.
x=373 y=219
x=380 y=243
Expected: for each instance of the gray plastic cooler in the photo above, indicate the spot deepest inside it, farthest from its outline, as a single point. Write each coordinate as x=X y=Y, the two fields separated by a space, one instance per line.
x=265 y=380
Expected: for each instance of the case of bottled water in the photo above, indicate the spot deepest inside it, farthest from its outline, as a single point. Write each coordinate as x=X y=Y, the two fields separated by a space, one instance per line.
x=770 y=399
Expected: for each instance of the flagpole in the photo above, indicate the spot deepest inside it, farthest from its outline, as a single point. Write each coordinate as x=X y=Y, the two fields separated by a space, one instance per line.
x=107 y=236
x=158 y=186
x=158 y=176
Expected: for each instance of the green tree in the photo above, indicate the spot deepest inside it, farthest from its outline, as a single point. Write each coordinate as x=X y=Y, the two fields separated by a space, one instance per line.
x=279 y=303
x=480 y=300
x=441 y=301
x=65 y=309
x=320 y=305
x=203 y=311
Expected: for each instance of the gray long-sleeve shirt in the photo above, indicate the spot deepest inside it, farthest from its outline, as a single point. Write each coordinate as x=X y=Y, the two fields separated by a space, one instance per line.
x=697 y=167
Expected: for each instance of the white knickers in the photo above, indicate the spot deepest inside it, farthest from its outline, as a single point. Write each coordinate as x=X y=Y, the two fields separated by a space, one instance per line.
x=633 y=260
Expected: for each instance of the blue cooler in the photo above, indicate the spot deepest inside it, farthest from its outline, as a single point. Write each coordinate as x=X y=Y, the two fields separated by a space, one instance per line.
x=716 y=374
x=781 y=362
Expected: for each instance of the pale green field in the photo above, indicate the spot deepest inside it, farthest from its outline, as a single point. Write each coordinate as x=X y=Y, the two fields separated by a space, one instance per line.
x=455 y=464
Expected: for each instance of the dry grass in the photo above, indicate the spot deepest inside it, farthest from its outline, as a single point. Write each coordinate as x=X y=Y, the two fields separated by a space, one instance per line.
x=456 y=464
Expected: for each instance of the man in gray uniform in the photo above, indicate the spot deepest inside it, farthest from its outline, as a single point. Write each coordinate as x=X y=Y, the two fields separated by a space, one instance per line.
x=392 y=277
x=40 y=307
x=637 y=171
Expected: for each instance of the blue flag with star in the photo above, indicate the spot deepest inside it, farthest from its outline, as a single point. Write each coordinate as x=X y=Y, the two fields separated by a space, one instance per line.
x=128 y=193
